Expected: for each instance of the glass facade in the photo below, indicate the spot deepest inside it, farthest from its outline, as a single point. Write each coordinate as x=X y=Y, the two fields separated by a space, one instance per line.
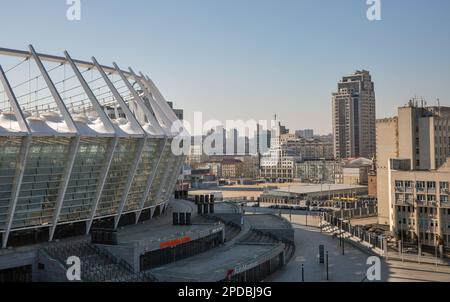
x=9 y=153
x=118 y=174
x=158 y=181
x=147 y=163
x=46 y=160
x=84 y=179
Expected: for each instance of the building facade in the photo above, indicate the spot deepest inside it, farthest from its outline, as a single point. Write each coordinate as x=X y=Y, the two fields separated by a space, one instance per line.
x=311 y=149
x=354 y=117
x=320 y=171
x=413 y=174
x=305 y=133
x=232 y=168
x=68 y=164
x=278 y=164
x=356 y=172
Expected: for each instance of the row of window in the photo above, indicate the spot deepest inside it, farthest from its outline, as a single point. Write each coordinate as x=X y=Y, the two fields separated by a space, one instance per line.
x=443 y=185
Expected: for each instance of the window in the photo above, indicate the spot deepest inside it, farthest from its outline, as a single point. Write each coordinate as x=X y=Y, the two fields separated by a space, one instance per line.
x=408 y=184
x=420 y=185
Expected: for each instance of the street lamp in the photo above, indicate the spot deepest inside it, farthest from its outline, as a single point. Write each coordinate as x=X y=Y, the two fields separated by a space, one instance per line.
x=303 y=272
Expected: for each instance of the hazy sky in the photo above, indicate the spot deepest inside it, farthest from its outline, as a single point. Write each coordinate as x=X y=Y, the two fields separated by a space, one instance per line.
x=250 y=59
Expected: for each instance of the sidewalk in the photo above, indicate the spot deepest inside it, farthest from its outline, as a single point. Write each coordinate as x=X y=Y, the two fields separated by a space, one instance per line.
x=351 y=267
x=370 y=249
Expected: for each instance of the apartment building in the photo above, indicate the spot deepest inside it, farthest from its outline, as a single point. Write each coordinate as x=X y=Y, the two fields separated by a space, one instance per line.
x=413 y=174
x=354 y=116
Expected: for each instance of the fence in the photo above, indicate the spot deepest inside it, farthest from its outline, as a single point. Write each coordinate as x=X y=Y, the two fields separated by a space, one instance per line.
x=338 y=221
x=377 y=242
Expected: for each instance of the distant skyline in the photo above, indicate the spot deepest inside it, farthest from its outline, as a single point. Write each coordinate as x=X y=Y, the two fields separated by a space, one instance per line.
x=256 y=58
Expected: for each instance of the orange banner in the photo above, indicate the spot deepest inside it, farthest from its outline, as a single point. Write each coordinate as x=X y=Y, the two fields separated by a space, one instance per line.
x=175 y=242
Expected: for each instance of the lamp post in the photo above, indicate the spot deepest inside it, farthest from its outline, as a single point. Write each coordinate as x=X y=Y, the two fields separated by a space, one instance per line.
x=303 y=272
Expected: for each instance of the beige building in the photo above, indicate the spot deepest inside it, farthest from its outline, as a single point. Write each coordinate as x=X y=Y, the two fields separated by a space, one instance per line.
x=311 y=149
x=413 y=174
x=232 y=168
x=356 y=172
x=354 y=116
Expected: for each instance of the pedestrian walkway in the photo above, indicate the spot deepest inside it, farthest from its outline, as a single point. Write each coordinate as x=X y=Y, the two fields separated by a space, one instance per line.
x=351 y=267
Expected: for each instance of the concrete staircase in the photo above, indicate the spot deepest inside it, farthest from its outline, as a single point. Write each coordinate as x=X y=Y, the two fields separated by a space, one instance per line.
x=97 y=265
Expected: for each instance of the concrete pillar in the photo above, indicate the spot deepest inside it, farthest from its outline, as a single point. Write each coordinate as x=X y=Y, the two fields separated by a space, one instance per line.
x=283 y=258
x=440 y=223
x=416 y=218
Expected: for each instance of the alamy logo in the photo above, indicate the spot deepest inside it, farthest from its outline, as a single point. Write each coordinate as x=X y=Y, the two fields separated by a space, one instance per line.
x=374 y=11
x=374 y=271
x=74 y=10
x=74 y=270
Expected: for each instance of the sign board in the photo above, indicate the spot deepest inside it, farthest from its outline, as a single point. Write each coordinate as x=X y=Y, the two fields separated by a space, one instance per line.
x=175 y=242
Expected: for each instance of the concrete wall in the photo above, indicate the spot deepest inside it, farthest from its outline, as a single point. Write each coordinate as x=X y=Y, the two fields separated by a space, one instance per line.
x=128 y=254
x=53 y=270
x=13 y=259
x=387 y=147
x=287 y=234
x=232 y=217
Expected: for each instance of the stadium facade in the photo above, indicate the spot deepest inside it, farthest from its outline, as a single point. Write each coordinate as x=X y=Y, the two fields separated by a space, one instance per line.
x=82 y=145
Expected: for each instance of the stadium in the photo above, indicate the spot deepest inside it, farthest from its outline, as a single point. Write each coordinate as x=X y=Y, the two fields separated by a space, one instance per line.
x=81 y=145
x=87 y=171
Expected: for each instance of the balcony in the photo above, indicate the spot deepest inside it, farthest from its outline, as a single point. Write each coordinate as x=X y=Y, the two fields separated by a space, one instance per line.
x=444 y=204
x=420 y=190
x=399 y=189
x=404 y=202
x=428 y=203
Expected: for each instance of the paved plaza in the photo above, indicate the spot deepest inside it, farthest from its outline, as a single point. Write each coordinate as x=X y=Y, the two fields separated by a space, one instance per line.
x=351 y=267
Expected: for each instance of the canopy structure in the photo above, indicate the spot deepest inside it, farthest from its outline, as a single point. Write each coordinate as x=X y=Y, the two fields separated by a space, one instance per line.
x=80 y=142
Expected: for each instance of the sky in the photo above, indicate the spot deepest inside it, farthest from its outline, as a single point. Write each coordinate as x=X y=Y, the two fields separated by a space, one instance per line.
x=251 y=59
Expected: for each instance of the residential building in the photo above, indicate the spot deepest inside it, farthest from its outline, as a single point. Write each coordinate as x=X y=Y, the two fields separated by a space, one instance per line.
x=311 y=149
x=306 y=133
x=323 y=171
x=354 y=117
x=232 y=168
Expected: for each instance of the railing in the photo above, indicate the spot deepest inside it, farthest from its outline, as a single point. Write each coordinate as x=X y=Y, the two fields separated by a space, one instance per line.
x=97 y=264
x=378 y=243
